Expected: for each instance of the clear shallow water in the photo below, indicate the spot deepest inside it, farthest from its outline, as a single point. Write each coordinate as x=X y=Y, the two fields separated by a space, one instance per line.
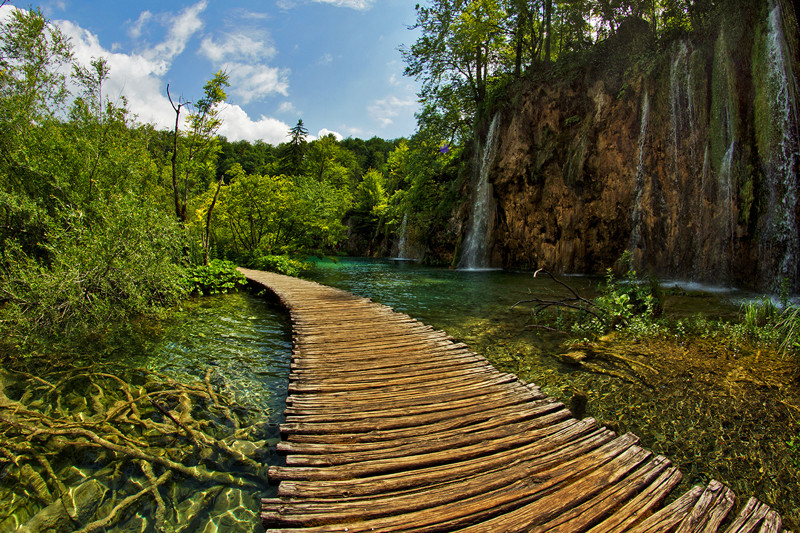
x=237 y=346
x=243 y=339
x=446 y=297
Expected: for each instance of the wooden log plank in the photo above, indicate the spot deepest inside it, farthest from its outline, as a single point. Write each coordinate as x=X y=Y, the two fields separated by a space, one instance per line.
x=380 y=466
x=515 y=435
x=365 y=425
x=388 y=359
x=528 y=517
x=463 y=512
x=354 y=351
x=549 y=414
x=384 y=379
x=589 y=513
x=568 y=442
x=641 y=505
x=772 y=523
x=349 y=343
x=419 y=370
x=750 y=517
x=354 y=389
x=550 y=452
x=370 y=400
x=338 y=416
x=448 y=355
x=483 y=492
x=668 y=518
x=391 y=357
x=710 y=511
x=377 y=393
x=478 y=421
x=418 y=404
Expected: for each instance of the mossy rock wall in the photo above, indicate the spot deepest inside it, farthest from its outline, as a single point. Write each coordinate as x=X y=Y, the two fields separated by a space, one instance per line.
x=703 y=187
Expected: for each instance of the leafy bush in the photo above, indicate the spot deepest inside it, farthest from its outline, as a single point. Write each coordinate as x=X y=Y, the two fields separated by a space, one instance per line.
x=217 y=277
x=118 y=259
x=282 y=264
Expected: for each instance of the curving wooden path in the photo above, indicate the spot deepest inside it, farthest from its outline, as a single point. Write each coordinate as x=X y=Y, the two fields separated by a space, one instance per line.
x=392 y=426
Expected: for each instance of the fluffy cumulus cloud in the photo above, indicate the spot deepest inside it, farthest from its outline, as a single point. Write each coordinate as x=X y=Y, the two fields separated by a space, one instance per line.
x=385 y=110
x=287 y=108
x=236 y=124
x=237 y=46
x=325 y=131
x=252 y=82
x=139 y=76
x=137 y=28
x=135 y=76
x=241 y=55
x=181 y=28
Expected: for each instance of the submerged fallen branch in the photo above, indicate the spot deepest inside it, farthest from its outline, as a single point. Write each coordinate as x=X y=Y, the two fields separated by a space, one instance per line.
x=128 y=421
x=575 y=301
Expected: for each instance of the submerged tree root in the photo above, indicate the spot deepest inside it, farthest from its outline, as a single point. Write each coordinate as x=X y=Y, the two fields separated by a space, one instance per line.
x=135 y=430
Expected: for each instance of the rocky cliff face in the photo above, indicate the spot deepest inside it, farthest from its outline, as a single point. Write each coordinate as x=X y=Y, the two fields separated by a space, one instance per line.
x=688 y=157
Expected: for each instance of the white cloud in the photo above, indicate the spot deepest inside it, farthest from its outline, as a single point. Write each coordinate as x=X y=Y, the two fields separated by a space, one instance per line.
x=326 y=59
x=385 y=110
x=359 y=5
x=135 y=76
x=236 y=124
x=181 y=28
x=287 y=107
x=135 y=30
x=251 y=82
x=236 y=47
x=325 y=131
x=139 y=77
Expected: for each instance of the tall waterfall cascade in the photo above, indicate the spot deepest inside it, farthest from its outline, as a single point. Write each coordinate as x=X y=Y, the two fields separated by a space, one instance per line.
x=636 y=244
x=402 y=245
x=478 y=240
x=780 y=245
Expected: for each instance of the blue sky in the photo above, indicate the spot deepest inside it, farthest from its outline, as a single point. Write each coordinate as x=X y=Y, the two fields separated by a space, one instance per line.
x=333 y=63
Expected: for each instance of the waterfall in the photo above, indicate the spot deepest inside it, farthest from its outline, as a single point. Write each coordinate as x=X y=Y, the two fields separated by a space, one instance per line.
x=478 y=238
x=402 y=243
x=680 y=101
x=779 y=247
x=637 y=215
x=726 y=205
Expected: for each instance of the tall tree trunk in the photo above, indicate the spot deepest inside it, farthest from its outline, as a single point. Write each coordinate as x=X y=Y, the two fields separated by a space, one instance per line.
x=479 y=81
x=519 y=35
x=207 y=239
x=548 y=15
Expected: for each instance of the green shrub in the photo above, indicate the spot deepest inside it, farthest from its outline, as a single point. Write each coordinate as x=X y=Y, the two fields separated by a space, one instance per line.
x=282 y=264
x=123 y=260
x=217 y=277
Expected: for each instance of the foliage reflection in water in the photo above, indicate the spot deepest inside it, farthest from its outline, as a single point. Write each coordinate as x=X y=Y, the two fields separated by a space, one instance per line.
x=173 y=435
x=717 y=407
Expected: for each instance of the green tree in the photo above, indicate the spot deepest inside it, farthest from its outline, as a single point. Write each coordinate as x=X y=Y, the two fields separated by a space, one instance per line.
x=194 y=151
x=295 y=150
x=82 y=242
x=458 y=51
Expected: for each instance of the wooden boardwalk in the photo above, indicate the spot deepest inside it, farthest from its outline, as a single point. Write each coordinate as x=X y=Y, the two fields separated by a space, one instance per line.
x=392 y=426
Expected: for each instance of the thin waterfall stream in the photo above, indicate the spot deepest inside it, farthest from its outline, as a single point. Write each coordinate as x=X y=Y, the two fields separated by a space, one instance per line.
x=478 y=239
